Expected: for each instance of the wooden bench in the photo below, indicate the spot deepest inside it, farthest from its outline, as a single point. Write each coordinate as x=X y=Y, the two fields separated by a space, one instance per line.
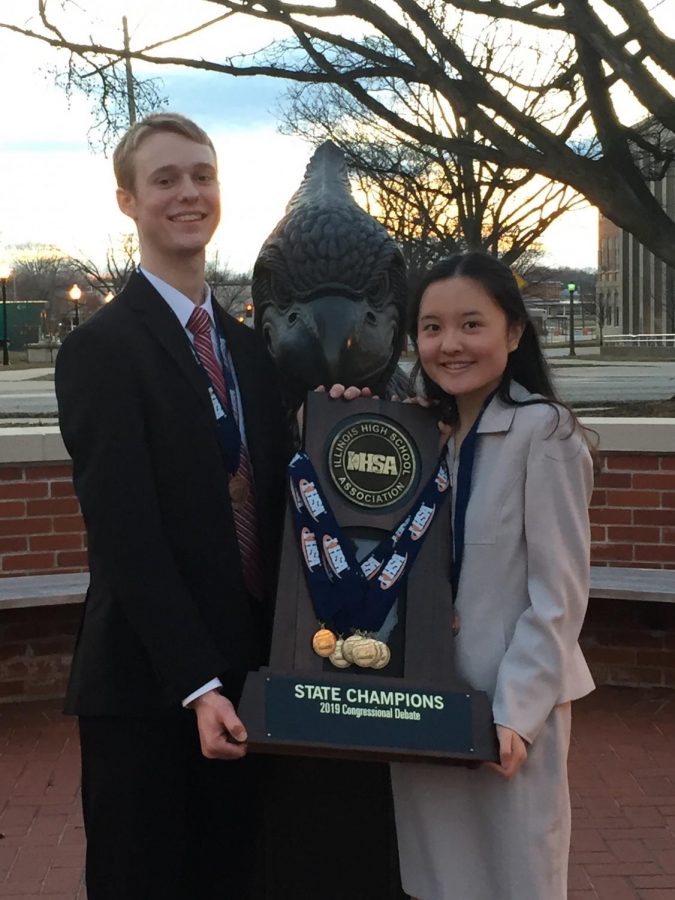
x=42 y=618
x=623 y=583
x=43 y=590
x=610 y=582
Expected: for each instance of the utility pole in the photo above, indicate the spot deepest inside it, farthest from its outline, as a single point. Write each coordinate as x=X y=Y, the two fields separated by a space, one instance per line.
x=571 y=288
x=131 y=99
x=5 y=272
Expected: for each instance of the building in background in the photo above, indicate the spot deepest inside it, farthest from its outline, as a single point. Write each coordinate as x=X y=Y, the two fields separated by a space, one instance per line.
x=635 y=289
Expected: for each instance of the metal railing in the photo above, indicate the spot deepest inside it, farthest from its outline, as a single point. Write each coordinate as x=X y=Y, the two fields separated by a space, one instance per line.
x=640 y=340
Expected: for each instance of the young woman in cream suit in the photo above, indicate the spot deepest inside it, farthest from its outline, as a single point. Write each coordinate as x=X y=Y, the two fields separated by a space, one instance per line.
x=501 y=831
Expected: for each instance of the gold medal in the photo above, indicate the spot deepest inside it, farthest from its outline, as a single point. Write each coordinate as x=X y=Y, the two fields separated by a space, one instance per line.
x=365 y=652
x=384 y=655
x=324 y=642
x=348 y=646
x=239 y=490
x=337 y=658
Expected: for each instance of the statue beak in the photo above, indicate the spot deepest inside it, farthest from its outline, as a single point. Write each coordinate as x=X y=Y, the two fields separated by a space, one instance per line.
x=331 y=339
x=336 y=324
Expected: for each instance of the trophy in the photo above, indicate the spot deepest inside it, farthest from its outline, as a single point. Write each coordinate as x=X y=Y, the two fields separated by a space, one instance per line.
x=361 y=664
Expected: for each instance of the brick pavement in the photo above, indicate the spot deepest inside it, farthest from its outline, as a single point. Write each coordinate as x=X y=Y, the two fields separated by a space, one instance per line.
x=41 y=833
x=622 y=774
x=622 y=777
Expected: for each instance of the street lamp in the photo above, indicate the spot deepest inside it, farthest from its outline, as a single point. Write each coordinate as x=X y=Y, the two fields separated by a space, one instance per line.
x=571 y=287
x=75 y=293
x=5 y=272
x=108 y=297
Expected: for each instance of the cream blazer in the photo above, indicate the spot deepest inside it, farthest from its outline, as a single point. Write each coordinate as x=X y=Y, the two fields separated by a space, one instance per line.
x=524 y=584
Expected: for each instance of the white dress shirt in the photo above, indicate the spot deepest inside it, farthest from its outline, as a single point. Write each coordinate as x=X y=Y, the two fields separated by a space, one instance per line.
x=183 y=307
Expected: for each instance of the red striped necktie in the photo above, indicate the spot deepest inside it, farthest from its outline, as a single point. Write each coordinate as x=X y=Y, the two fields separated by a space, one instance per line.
x=245 y=519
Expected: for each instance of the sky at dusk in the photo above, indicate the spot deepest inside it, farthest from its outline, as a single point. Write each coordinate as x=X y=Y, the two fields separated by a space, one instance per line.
x=57 y=190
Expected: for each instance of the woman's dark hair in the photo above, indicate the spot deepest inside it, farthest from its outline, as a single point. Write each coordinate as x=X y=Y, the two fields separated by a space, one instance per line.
x=526 y=364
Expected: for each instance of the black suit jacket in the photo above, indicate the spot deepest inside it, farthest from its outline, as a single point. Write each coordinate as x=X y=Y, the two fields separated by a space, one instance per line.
x=167 y=609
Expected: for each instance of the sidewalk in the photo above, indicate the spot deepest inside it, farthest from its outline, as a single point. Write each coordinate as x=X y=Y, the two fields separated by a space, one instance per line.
x=622 y=773
x=10 y=374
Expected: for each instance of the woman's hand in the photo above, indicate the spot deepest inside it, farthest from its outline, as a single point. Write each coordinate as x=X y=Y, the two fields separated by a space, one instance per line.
x=512 y=752
x=418 y=400
x=444 y=429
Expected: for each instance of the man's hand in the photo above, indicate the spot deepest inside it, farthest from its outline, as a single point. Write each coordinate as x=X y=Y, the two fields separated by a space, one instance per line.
x=347 y=393
x=221 y=732
x=512 y=752
x=335 y=392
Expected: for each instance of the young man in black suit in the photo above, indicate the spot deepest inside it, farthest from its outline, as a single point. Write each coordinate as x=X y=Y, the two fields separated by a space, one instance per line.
x=179 y=445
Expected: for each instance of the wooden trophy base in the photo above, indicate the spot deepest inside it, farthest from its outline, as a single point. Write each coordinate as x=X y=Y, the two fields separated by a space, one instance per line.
x=365 y=717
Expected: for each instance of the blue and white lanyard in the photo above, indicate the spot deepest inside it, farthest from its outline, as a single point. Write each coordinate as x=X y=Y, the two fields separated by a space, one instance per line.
x=347 y=594
x=467 y=458
x=227 y=428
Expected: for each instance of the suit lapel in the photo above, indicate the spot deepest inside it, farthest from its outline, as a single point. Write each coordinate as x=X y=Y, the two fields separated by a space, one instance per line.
x=498 y=417
x=165 y=328
x=159 y=319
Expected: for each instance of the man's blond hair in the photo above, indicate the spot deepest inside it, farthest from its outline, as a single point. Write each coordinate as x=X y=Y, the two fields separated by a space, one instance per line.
x=123 y=156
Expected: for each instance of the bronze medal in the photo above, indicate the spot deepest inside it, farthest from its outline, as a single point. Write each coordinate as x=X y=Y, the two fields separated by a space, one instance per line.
x=384 y=655
x=365 y=653
x=239 y=490
x=348 y=646
x=337 y=658
x=324 y=642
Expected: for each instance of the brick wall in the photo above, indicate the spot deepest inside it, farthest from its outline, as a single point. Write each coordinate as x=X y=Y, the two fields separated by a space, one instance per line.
x=630 y=643
x=633 y=523
x=633 y=511
x=36 y=646
x=41 y=529
x=632 y=516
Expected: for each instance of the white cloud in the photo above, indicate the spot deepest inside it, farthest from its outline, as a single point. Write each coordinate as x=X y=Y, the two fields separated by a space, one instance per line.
x=572 y=240
x=57 y=191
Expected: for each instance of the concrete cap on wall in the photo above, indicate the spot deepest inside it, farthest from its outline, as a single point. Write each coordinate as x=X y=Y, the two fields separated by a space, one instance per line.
x=35 y=443
x=40 y=443
x=644 y=435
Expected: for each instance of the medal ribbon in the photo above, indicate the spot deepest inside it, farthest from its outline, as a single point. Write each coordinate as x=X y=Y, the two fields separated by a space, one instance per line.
x=467 y=457
x=227 y=428
x=348 y=594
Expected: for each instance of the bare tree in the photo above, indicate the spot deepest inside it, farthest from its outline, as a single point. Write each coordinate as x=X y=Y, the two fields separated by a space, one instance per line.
x=120 y=262
x=575 y=65
x=232 y=289
x=529 y=261
x=105 y=84
x=433 y=203
x=41 y=271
